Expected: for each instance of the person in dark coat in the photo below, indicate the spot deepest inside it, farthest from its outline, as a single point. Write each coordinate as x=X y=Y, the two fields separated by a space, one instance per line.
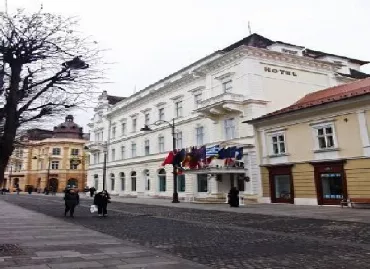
x=92 y=191
x=101 y=200
x=72 y=199
x=234 y=197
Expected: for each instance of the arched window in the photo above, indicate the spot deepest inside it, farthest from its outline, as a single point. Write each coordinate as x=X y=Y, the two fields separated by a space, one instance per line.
x=162 y=180
x=96 y=181
x=112 y=182
x=133 y=181
x=181 y=183
x=147 y=179
x=123 y=180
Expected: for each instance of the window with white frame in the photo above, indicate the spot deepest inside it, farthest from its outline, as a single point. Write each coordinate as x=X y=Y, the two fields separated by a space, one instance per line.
x=178 y=137
x=147 y=118
x=227 y=85
x=123 y=152
x=133 y=150
x=178 y=109
x=147 y=147
x=161 y=143
x=199 y=132
x=278 y=144
x=161 y=113
x=114 y=132
x=134 y=124
x=55 y=165
x=325 y=136
x=123 y=128
x=74 y=152
x=113 y=155
x=56 y=151
x=229 y=125
x=197 y=99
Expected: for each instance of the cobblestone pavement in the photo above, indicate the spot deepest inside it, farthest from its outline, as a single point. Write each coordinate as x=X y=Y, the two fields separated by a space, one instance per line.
x=224 y=239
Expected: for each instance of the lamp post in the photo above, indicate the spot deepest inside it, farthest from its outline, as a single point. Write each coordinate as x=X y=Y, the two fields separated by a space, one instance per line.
x=104 y=145
x=146 y=128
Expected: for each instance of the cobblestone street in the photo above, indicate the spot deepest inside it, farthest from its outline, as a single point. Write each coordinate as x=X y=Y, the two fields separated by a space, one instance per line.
x=223 y=239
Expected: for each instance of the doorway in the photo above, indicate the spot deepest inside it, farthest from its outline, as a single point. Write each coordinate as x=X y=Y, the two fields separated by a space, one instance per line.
x=281 y=184
x=53 y=184
x=331 y=184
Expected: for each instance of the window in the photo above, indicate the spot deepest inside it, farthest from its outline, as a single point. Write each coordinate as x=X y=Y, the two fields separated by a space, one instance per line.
x=133 y=150
x=123 y=152
x=278 y=144
x=199 y=131
x=73 y=166
x=123 y=180
x=147 y=180
x=114 y=132
x=181 y=183
x=161 y=113
x=146 y=147
x=113 y=155
x=229 y=129
x=55 y=165
x=325 y=137
x=162 y=180
x=56 y=151
x=202 y=183
x=197 y=99
x=96 y=158
x=161 y=143
x=133 y=181
x=147 y=118
x=123 y=128
x=112 y=182
x=178 y=109
x=178 y=137
x=227 y=85
x=74 y=152
x=134 y=124
x=96 y=181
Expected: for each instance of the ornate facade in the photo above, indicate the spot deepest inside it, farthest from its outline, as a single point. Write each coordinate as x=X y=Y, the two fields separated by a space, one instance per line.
x=52 y=159
x=207 y=101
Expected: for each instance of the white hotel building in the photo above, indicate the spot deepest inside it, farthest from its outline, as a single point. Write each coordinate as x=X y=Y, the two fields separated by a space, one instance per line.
x=208 y=101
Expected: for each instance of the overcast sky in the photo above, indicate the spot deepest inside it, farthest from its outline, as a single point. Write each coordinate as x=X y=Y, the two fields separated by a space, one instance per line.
x=149 y=39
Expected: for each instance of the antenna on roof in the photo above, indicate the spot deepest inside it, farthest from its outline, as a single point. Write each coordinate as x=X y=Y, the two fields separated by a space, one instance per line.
x=249 y=27
x=135 y=89
x=6 y=6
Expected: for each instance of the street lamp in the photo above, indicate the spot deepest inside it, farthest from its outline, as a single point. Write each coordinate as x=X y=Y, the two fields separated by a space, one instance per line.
x=146 y=128
x=104 y=145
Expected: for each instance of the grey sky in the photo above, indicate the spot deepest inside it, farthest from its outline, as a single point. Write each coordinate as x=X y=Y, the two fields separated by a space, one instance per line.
x=150 y=39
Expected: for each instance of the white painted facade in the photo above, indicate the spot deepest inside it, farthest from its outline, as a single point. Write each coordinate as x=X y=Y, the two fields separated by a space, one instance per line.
x=240 y=84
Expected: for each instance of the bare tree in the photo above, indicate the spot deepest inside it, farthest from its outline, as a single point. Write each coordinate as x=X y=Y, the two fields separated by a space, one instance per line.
x=46 y=68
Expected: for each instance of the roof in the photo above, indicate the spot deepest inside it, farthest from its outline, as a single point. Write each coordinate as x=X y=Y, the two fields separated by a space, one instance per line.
x=355 y=74
x=258 y=41
x=112 y=100
x=329 y=95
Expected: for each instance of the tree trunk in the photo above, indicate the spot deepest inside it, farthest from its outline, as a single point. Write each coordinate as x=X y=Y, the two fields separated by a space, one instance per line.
x=11 y=119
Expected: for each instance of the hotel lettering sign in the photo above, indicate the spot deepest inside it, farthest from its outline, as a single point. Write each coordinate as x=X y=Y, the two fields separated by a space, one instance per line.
x=280 y=71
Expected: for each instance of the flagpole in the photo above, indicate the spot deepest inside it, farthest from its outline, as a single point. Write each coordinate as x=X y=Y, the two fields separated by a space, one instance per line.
x=6 y=7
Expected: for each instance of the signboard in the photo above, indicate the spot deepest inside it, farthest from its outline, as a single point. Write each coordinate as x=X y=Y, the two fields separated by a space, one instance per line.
x=280 y=71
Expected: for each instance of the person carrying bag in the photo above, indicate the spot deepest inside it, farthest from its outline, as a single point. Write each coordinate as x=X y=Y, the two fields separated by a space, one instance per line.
x=101 y=200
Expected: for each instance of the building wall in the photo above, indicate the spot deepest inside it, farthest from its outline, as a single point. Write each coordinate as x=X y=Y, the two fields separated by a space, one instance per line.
x=255 y=91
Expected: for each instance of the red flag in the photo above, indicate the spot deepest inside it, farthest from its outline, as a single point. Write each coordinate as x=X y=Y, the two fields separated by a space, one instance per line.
x=169 y=159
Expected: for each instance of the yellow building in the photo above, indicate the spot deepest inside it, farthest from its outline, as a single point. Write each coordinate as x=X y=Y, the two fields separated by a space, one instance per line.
x=51 y=159
x=317 y=151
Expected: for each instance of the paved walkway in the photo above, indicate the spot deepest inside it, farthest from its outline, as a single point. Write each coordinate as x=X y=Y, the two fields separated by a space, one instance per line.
x=288 y=210
x=314 y=212
x=30 y=240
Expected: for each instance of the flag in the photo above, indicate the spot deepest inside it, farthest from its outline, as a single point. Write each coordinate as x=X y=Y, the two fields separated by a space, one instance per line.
x=239 y=154
x=212 y=151
x=179 y=157
x=169 y=159
x=222 y=154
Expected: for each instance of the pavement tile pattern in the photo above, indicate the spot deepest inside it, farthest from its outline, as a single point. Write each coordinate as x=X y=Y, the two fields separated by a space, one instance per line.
x=219 y=239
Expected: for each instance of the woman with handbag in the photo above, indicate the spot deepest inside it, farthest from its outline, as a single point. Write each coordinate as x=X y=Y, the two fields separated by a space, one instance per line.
x=72 y=199
x=101 y=200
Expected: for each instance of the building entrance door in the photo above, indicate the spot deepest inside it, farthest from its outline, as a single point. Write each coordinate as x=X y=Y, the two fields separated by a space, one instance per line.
x=281 y=184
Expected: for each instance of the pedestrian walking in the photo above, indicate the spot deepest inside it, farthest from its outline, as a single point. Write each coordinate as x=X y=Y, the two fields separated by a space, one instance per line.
x=101 y=200
x=72 y=199
x=233 y=197
x=92 y=191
